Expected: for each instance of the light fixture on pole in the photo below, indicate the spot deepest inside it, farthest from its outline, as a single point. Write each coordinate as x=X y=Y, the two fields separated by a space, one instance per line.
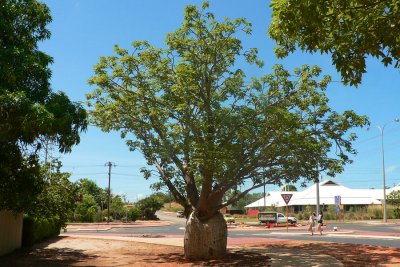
x=382 y=130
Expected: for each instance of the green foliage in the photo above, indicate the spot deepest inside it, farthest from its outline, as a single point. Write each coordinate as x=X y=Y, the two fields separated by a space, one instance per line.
x=308 y=209
x=134 y=214
x=87 y=210
x=148 y=206
x=394 y=199
x=165 y=198
x=246 y=200
x=203 y=129
x=20 y=178
x=57 y=199
x=376 y=213
x=36 y=229
x=89 y=187
x=117 y=207
x=29 y=111
x=288 y=187
x=301 y=216
x=51 y=207
x=348 y=30
x=94 y=199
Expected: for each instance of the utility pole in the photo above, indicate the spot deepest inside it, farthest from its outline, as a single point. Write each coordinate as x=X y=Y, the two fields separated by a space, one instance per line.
x=317 y=167
x=109 y=164
x=264 y=193
x=382 y=129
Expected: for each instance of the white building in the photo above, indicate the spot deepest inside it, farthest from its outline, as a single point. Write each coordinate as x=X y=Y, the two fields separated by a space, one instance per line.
x=328 y=189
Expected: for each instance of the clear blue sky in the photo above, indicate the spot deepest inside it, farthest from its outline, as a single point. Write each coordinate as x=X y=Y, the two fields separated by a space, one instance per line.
x=82 y=31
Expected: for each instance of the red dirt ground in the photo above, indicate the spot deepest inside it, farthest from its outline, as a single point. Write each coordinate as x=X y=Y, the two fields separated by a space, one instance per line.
x=73 y=251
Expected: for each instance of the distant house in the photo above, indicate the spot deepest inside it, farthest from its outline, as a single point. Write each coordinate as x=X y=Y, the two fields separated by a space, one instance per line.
x=396 y=188
x=328 y=189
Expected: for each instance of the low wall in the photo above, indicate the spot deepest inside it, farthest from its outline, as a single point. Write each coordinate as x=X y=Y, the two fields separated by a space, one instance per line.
x=252 y=212
x=10 y=231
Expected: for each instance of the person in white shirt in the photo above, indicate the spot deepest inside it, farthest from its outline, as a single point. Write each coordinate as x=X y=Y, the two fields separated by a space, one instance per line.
x=311 y=223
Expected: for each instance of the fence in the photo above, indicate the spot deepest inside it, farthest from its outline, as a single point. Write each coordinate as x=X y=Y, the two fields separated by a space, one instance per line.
x=10 y=231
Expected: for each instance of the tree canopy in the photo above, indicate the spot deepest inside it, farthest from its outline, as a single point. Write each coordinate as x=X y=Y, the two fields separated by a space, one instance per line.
x=190 y=112
x=29 y=111
x=288 y=187
x=205 y=129
x=348 y=30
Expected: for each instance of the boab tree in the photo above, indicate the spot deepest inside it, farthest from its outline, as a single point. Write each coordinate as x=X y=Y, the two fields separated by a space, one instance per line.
x=205 y=131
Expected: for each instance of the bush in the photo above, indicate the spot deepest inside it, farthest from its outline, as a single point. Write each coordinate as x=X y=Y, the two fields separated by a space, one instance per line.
x=375 y=212
x=149 y=206
x=87 y=210
x=37 y=229
x=134 y=214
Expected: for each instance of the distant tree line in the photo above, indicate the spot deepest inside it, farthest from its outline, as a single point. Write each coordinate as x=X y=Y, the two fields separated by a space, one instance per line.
x=92 y=204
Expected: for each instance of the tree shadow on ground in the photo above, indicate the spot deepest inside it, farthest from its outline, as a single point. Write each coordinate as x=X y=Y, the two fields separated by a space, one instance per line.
x=232 y=258
x=41 y=255
x=347 y=254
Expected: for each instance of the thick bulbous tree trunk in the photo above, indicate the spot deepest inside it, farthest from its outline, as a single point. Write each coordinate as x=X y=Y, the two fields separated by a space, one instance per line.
x=205 y=239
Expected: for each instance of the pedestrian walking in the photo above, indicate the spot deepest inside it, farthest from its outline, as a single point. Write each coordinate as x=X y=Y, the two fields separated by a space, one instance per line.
x=320 y=219
x=311 y=223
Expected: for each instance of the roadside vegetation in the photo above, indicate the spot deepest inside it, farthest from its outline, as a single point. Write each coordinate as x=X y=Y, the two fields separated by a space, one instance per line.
x=92 y=205
x=203 y=125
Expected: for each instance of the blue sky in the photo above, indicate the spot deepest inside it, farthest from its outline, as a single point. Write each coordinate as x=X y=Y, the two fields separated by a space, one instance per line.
x=82 y=31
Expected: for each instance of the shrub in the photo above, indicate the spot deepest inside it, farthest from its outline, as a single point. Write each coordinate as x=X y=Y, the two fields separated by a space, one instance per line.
x=300 y=216
x=37 y=229
x=350 y=216
x=329 y=216
x=375 y=212
x=87 y=210
x=134 y=214
x=149 y=206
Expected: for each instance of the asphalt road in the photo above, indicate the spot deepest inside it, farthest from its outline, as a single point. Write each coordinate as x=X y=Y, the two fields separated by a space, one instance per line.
x=354 y=233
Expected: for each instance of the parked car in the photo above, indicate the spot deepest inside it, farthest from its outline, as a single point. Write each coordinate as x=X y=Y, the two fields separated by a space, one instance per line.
x=229 y=218
x=180 y=214
x=275 y=217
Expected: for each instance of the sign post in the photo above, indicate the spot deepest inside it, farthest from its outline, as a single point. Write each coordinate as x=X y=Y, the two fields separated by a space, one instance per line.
x=338 y=201
x=286 y=198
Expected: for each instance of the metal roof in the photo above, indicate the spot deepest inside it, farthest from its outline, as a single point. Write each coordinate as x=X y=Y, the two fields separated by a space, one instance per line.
x=328 y=189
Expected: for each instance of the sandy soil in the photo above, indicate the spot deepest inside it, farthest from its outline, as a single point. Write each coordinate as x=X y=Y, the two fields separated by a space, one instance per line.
x=72 y=251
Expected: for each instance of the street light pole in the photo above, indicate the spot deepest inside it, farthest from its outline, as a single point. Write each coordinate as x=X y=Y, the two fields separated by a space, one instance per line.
x=383 y=173
x=382 y=130
x=109 y=164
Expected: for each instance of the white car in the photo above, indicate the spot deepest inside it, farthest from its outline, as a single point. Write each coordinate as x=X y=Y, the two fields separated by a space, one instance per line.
x=229 y=218
x=275 y=217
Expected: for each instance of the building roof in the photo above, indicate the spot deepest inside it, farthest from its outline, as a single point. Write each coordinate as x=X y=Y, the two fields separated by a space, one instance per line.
x=328 y=189
x=396 y=188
